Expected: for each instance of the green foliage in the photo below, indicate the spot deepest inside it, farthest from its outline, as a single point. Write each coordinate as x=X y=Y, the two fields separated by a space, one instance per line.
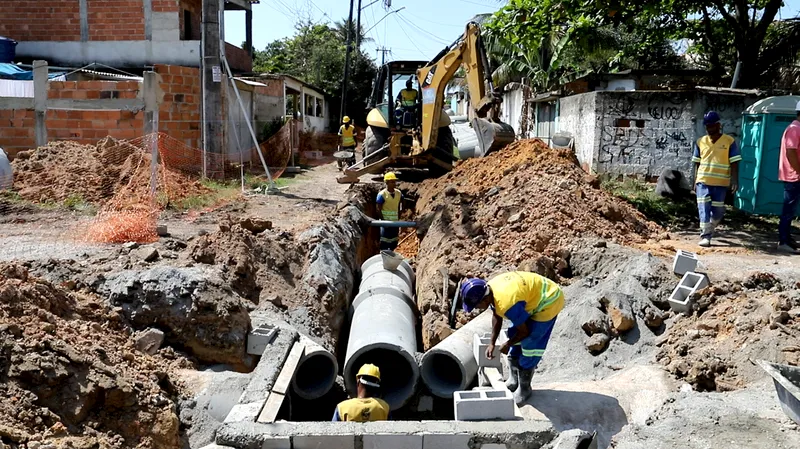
x=271 y=128
x=316 y=54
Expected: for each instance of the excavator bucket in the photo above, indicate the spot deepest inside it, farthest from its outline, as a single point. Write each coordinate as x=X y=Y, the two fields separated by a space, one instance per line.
x=492 y=136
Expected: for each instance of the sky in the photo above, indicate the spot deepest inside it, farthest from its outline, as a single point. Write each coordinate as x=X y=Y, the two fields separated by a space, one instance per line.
x=418 y=31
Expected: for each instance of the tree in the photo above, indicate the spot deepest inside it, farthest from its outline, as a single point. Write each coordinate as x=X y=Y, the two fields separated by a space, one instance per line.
x=715 y=27
x=316 y=54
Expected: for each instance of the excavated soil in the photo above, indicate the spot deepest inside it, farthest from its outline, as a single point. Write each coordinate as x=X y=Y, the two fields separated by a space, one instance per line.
x=94 y=173
x=71 y=377
x=736 y=323
x=518 y=208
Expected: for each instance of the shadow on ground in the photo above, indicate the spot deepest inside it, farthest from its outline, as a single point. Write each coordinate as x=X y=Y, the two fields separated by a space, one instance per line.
x=581 y=410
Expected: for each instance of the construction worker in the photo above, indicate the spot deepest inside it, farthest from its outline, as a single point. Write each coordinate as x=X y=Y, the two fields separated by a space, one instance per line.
x=407 y=97
x=347 y=133
x=367 y=406
x=389 y=204
x=531 y=302
x=789 y=173
x=716 y=167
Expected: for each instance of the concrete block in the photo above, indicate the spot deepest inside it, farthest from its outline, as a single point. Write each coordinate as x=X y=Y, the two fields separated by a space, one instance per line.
x=392 y=441
x=479 y=345
x=244 y=412
x=682 y=299
x=483 y=379
x=482 y=405
x=324 y=442
x=445 y=441
x=277 y=443
x=697 y=281
x=493 y=446
x=259 y=338
x=684 y=262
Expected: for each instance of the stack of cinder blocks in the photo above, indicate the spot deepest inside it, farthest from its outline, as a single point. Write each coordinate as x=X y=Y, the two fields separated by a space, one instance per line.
x=484 y=404
x=682 y=298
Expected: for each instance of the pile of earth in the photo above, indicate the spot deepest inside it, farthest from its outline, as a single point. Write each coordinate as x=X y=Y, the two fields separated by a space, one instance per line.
x=110 y=170
x=519 y=208
x=734 y=324
x=71 y=375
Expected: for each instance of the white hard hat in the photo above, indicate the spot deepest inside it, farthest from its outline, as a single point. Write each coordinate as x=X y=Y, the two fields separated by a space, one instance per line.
x=797 y=108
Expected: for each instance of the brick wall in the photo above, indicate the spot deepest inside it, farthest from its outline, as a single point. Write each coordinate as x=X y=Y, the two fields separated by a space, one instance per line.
x=166 y=6
x=38 y=20
x=179 y=115
x=195 y=9
x=116 y=20
x=17 y=130
x=93 y=90
x=274 y=88
x=93 y=125
x=239 y=59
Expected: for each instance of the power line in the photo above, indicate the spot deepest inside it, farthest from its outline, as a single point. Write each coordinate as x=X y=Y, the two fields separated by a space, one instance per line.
x=430 y=35
x=436 y=23
x=408 y=37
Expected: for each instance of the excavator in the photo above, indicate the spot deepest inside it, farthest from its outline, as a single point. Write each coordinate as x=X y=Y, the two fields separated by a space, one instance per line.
x=419 y=136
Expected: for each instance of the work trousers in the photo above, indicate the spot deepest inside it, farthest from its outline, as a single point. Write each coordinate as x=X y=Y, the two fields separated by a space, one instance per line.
x=530 y=350
x=791 y=197
x=711 y=205
x=389 y=238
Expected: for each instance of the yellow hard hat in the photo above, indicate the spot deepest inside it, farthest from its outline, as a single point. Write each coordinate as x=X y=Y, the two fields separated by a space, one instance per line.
x=346 y=119
x=370 y=370
x=389 y=177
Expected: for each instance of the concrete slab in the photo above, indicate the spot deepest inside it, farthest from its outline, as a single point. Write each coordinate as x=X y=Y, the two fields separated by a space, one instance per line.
x=289 y=367
x=245 y=412
x=269 y=367
x=383 y=441
x=271 y=408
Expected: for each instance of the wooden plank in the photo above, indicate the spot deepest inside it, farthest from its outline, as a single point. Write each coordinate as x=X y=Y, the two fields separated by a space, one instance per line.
x=271 y=408
x=496 y=379
x=289 y=367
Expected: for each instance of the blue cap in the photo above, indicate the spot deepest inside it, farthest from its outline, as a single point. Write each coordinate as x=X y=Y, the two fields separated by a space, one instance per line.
x=711 y=118
x=473 y=291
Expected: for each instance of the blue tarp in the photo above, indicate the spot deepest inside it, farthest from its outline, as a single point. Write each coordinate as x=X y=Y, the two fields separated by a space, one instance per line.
x=14 y=72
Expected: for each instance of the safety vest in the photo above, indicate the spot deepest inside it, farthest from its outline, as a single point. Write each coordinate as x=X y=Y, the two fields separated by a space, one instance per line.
x=543 y=298
x=408 y=97
x=390 y=210
x=715 y=167
x=348 y=135
x=363 y=410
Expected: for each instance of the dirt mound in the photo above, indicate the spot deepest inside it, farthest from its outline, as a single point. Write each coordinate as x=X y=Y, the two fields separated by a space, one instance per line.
x=737 y=323
x=97 y=173
x=515 y=209
x=71 y=377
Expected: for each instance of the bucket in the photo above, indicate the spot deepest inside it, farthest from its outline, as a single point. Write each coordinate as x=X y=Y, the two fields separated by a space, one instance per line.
x=391 y=260
x=7 y=49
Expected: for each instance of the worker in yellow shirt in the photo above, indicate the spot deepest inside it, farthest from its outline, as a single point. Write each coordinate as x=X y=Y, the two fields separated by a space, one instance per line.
x=531 y=302
x=405 y=104
x=347 y=133
x=389 y=204
x=367 y=406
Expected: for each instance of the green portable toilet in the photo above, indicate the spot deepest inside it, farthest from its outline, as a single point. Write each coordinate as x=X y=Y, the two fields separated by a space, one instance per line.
x=760 y=192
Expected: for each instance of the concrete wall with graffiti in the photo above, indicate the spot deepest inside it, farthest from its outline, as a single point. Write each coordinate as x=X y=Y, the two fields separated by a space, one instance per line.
x=642 y=133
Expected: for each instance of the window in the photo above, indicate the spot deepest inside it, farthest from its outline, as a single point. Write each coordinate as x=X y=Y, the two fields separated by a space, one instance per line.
x=628 y=123
x=187 y=25
x=320 y=111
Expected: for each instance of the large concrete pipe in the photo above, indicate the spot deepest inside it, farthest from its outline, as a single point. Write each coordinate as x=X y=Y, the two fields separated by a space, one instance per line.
x=316 y=372
x=450 y=366
x=382 y=331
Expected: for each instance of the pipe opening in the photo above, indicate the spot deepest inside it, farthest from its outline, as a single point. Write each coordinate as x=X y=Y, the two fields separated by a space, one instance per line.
x=315 y=375
x=398 y=377
x=442 y=374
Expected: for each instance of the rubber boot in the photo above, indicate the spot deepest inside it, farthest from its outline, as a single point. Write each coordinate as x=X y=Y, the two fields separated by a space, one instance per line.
x=513 y=374
x=524 y=391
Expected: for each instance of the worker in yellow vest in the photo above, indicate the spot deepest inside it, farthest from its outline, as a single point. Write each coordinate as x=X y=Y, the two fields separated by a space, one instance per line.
x=347 y=133
x=531 y=302
x=407 y=97
x=716 y=167
x=389 y=204
x=367 y=406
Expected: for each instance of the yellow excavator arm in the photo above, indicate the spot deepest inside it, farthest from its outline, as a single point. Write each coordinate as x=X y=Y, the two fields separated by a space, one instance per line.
x=470 y=52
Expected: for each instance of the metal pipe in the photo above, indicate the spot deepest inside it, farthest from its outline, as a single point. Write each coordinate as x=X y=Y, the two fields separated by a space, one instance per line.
x=316 y=372
x=450 y=366
x=393 y=224
x=382 y=331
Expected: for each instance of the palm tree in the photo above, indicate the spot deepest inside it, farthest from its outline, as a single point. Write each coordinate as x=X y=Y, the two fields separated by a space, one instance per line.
x=342 y=30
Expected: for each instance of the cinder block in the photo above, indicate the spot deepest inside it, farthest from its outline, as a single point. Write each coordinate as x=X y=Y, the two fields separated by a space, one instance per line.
x=445 y=441
x=684 y=262
x=697 y=281
x=493 y=446
x=479 y=345
x=244 y=412
x=682 y=299
x=482 y=405
x=259 y=338
x=277 y=443
x=392 y=441
x=324 y=442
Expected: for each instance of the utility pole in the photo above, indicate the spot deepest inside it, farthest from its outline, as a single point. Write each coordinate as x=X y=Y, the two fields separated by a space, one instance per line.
x=383 y=51
x=358 y=27
x=347 y=61
x=212 y=89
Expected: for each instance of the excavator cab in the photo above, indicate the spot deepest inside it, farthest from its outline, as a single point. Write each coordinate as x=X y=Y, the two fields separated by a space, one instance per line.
x=413 y=130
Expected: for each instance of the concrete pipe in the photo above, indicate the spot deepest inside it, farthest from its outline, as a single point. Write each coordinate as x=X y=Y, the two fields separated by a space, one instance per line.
x=450 y=366
x=316 y=372
x=382 y=331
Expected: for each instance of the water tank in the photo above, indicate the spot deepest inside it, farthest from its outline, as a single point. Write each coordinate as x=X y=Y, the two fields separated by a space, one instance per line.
x=7 y=49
